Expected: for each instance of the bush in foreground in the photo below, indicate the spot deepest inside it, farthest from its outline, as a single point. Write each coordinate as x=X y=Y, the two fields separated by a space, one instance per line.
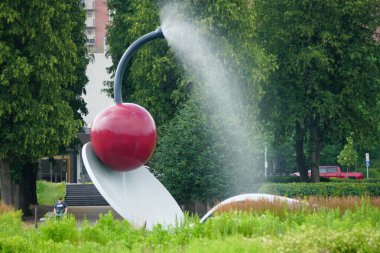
x=299 y=230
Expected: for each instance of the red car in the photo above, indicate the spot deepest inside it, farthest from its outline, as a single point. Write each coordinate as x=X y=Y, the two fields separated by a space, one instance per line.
x=331 y=171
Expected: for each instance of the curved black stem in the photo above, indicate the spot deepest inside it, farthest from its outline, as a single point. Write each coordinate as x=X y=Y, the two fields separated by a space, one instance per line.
x=127 y=56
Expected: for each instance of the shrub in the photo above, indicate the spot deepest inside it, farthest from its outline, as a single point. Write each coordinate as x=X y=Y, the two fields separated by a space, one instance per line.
x=59 y=230
x=332 y=189
x=283 y=179
x=13 y=244
x=10 y=223
x=107 y=229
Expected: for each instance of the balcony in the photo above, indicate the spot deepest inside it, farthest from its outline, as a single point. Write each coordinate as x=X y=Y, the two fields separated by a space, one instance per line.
x=90 y=22
x=90 y=5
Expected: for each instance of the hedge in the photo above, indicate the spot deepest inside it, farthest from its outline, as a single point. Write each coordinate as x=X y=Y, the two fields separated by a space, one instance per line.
x=327 y=189
x=290 y=179
x=295 y=179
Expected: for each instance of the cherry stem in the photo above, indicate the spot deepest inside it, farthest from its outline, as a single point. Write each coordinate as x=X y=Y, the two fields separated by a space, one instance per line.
x=127 y=56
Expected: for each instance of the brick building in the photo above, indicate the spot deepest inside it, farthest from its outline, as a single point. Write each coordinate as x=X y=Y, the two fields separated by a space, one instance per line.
x=97 y=19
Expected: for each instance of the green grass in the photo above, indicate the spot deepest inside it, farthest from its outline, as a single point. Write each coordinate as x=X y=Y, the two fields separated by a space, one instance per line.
x=47 y=192
x=325 y=230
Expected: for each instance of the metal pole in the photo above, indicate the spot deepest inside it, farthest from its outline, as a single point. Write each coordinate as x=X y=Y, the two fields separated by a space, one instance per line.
x=266 y=162
x=367 y=162
x=51 y=171
x=127 y=56
x=36 y=216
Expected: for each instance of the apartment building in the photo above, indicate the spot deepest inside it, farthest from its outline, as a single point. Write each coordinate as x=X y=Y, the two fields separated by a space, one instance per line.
x=97 y=19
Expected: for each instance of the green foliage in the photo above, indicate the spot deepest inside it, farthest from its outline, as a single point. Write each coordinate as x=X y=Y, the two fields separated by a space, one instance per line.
x=185 y=160
x=327 y=80
x=59 y=230
x=283 y=179
x=42 y=62
x=47 y=192
x=348 y=156
x=107 y=229
x=153 y=78
x=13 y=244
x=371 y=180
x=327 y=189
x=331 y=230
x=329 y=154
x=10 y=223
x=198 y=157
x=290 y=179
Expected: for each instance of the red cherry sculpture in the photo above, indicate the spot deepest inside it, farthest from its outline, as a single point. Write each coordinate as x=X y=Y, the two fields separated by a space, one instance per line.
x=123 y=136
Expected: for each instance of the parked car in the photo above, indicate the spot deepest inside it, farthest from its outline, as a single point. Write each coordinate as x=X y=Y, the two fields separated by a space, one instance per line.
x=333 y=171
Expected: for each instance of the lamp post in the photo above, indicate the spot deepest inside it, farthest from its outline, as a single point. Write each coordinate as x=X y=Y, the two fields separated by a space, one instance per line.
x=266 y=162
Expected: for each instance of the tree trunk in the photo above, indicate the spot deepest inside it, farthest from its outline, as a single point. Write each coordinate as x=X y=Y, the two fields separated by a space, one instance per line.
x=300 y=155
x=315 y=150
x=28 y=191
x=9 y=190
x=21 y=195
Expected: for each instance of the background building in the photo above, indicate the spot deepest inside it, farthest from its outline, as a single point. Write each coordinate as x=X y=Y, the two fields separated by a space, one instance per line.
x=97 y=19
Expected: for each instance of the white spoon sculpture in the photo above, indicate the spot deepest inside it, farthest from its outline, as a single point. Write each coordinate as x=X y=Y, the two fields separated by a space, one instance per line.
x=123 y=138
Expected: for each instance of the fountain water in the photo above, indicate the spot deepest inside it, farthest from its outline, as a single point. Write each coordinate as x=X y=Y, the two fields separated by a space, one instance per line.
x=221 y=95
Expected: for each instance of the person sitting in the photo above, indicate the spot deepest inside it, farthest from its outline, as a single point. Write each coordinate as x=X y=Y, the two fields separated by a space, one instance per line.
x=60 y=208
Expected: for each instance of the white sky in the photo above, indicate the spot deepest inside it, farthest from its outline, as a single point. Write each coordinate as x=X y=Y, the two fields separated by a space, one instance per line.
x=96 y=99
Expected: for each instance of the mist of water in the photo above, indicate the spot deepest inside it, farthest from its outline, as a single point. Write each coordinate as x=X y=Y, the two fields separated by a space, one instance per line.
x=220 y=87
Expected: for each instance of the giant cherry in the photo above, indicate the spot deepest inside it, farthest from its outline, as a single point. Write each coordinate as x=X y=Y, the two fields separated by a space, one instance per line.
x=123 y=136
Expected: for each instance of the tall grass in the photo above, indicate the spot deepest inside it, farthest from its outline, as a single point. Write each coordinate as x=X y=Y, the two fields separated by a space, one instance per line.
x=309 y=204
x=47 y=192
x=303 y=229
x=4 y=208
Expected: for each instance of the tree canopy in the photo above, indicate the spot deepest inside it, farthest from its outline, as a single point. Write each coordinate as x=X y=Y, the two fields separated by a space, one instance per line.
x=327 y=84
x=348 y=155
x=42 y=61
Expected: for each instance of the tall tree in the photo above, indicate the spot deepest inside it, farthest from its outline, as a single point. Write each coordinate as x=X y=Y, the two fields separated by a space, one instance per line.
x=327 y=83
x=42 y=64
x=185 y=159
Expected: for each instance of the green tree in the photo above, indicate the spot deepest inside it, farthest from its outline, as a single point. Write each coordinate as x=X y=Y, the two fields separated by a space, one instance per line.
x=153 y=77
x=348 y=155
x=42 y=63
x=185 y=157
x=210 y=150
x=327 y=83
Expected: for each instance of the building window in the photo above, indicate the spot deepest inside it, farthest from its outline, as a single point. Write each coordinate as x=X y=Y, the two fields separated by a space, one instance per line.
x=91 y=41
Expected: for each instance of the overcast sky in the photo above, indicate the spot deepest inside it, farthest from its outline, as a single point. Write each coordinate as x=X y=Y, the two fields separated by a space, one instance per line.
x=96 y=99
